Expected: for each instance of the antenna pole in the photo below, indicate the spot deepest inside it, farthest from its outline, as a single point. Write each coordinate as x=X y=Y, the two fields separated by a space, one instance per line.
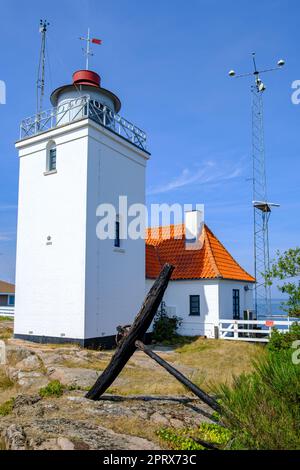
x=88 y=49
x=262 y=208
x=41 y=70
x=254 y=62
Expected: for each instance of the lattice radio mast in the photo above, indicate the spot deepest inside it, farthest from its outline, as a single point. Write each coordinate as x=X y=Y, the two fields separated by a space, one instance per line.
x=40 y=84
x=261 y=207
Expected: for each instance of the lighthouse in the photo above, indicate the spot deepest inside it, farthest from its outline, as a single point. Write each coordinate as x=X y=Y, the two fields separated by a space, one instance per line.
x=71 y=285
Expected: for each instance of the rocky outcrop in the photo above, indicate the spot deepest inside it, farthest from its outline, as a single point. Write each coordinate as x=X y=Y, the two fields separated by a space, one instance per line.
x=74 y=423
x=71 y=422
x=33 y=367
x=14 y=438
x=74 y=377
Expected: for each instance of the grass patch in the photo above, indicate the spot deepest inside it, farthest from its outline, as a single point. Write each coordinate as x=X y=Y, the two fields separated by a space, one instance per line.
x=5 y=319
x=186 y=439
x=77 y=388
x=206 y=362
x=6 y=333
x=217 y=361
x=54 y=389
x=5 y=382
x=195 y=346
x=144 y=381
x=178 y=341
x=262 y=408
x=7 y=407
x=98 y=365
x=131 y=427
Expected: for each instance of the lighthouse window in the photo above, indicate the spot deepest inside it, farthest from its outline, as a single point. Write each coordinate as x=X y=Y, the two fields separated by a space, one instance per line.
x=52 y=159
x=117 y=234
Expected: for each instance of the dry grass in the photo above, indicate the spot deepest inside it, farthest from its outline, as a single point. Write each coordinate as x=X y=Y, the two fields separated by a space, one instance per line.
x=142 y=381
x=217 y=361
x=7 y=387
x=205 y=362
x=132 y=427
x=94 y=365
x=5 y=333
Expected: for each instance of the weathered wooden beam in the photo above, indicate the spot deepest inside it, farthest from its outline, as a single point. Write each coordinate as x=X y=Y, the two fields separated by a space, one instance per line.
x=127 y=346
x=179 y=376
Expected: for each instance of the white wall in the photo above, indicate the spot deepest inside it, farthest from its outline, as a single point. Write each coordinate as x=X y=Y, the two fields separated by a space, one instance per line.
x=50 y=278
x=178 y=295
x=115 y=282
x=226 y=298
x=78 y=287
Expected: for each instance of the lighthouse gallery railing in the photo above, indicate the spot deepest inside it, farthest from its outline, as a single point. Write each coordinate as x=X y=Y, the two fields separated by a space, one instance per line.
x=82 y=108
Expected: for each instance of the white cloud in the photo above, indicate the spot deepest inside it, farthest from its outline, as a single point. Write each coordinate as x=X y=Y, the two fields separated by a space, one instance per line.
x=209 y=173
x=7 y=236
x=4 y=238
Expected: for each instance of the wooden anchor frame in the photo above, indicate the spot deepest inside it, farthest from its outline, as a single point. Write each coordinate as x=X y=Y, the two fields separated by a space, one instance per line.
x=129 y=339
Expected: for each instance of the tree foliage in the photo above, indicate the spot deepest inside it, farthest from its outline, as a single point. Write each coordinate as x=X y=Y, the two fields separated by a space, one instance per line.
x=280 y=341
x=285 y=268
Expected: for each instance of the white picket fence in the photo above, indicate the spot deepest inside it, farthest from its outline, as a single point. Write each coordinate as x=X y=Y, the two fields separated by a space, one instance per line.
x=258 y=331
x=7 y=312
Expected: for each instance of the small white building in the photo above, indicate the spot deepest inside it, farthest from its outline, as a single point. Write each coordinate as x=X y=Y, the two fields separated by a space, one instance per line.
x=207 y=284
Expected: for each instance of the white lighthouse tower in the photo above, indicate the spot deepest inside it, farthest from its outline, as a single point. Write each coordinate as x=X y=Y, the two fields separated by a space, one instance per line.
x=72 y=286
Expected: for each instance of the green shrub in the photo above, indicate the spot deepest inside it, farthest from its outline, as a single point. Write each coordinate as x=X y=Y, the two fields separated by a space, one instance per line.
x=283 y=341
x=177 y=440
x=262 y=409
x=165 y=327
x=53 y=389
x=7 y=407
x=186 y=439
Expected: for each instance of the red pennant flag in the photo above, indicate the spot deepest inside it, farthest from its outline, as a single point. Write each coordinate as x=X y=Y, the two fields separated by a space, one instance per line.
x=96 y=41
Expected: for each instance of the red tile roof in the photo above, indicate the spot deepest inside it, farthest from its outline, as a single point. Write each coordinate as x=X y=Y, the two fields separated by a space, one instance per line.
x=6 y=288
x=212 y=261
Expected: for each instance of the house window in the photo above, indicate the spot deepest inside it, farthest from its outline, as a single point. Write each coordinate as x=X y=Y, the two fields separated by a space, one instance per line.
x=11 y=300
x=3 y=300
x=117 y=234
x=194 y=305
x=236 y=304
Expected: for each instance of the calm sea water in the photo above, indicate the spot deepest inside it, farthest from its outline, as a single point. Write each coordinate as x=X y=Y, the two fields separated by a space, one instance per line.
x=278 y=311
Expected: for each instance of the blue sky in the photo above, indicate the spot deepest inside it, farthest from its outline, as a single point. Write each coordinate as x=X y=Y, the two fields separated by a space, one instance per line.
x=168 y=61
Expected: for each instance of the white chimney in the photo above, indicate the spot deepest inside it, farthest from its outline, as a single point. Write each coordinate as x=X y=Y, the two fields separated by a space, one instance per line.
x=194 y=222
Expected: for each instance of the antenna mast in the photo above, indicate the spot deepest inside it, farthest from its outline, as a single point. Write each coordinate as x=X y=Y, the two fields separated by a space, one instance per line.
x=40 y=84
x=261 y=207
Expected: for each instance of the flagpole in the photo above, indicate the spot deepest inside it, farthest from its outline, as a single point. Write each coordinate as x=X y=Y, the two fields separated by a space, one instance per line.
x=88 y=50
